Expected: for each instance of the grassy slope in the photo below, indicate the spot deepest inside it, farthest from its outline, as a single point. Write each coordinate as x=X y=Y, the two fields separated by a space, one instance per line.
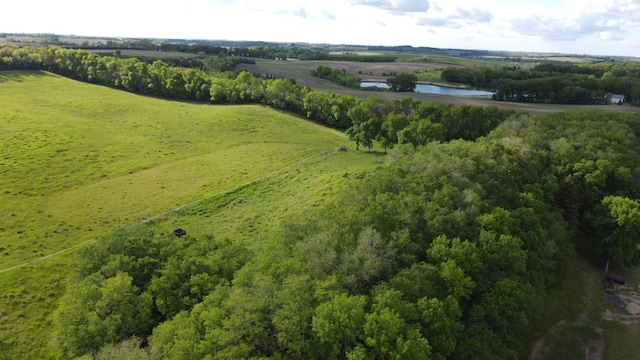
x=78 y=160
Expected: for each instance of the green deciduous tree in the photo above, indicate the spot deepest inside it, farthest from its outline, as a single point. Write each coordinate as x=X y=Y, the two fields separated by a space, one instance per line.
x=403 y=82
x=616 y=222
x=365 y=126
x=441 y=324
x=338 y=324
x=97 y=312
x=128 y=349
x=420 y=132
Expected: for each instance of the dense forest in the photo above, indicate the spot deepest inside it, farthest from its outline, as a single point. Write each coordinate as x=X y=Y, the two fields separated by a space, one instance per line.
x=446 y=252
x=549 y=83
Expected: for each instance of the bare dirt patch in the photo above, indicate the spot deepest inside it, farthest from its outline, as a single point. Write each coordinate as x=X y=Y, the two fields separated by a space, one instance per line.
x=633 y=308
x=605 y=327
x=577 y=339
x=627 y=299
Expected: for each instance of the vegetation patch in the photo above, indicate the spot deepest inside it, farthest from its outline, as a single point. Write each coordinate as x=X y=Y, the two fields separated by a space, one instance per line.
x=292 y=244
x=79 y=160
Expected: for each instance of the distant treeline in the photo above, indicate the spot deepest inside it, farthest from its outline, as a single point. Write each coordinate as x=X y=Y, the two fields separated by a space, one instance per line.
x=276 y=53
x=550 y=83
x=388 y=121
x=261 y=51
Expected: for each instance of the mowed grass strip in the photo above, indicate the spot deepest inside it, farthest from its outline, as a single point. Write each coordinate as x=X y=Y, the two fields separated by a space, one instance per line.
x=77 y=159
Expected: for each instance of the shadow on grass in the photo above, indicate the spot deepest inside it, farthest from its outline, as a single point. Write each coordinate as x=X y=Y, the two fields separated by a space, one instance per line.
x=573 y=340
x=372 y=152
x=572 y=308
x=19 y=75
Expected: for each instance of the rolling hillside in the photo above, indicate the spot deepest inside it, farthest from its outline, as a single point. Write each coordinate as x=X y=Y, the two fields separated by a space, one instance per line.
x=79 y=160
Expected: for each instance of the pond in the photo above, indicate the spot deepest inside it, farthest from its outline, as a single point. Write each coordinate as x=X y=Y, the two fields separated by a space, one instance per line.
x=434 y=89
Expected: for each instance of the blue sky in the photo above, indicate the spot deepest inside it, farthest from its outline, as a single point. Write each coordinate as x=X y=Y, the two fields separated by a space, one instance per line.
x=566 y=26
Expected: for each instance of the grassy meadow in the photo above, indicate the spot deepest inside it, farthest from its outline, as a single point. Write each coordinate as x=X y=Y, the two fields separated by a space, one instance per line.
x=77 y=160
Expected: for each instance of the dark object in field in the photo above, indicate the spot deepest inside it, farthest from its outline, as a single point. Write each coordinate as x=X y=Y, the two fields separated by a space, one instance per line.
x=343 y=148
x=179 y=232
x=617 y=278
x=614 y=300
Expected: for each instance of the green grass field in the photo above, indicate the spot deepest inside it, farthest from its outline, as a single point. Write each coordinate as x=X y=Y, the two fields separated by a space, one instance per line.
x=78 y=160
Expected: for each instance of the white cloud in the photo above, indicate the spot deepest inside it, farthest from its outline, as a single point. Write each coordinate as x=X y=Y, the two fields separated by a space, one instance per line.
x=301 y=12
x=446 y=16
x=586 y=27
x=475 y=15
x=395 y=6
x=579 y=26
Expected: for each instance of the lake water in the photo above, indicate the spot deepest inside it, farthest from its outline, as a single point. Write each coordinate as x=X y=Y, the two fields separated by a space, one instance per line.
x=434 y=89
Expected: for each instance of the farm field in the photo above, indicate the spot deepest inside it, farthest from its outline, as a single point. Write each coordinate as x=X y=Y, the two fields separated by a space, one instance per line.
x=79 y=160
x=301 y=72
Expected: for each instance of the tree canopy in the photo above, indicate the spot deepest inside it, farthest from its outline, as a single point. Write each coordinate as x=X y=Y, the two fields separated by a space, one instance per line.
x=556 y=84
x=404 y=82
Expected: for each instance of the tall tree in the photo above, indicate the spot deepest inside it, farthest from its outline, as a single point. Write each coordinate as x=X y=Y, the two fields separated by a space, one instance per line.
x=403 y=82
x=617 y=223
x=338 y=324
x=365 y=126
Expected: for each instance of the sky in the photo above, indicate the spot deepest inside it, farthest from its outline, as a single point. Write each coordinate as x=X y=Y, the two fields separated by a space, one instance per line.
x=583 y=27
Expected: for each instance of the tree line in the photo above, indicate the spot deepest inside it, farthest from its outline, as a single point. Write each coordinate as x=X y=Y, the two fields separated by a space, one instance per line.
x=389 y=121
x=549 y=83
x=235 y=49
x=404 y=82
x=338 y=76
x=446 y=252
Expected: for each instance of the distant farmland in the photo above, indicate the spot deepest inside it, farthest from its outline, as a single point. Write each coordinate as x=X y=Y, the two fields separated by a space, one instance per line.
x=301 y=72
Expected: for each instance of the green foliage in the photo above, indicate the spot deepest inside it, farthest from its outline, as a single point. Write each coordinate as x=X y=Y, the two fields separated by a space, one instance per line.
x=404 y=82
x=338 y=324
x=391 y=329
x=98 y=311
x=128 y=349
x=548 y=83
x=442 y=325
x=192 y=271
x=340 y=77
x=365 y=126
x=444 y=252
x=616 y=222
x=421 y=132
x=130 y=281
x=160 y=79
